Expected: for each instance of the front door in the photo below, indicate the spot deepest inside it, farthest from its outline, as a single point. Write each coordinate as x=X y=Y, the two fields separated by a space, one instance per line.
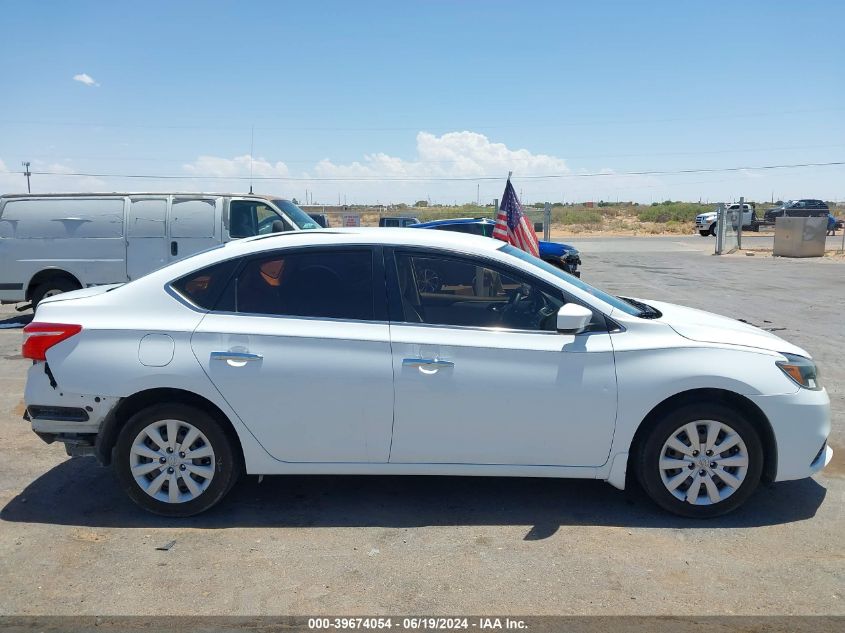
x=483 y=377
x=300 y=350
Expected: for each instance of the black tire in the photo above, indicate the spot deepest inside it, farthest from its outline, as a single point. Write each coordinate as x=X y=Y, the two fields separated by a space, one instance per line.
x=712 y=230
x=704 y=233
x=648 y=454
x=52 y=287
x=227 y=463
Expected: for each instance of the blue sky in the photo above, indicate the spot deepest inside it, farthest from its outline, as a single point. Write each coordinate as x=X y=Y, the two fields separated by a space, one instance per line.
x=387 y=101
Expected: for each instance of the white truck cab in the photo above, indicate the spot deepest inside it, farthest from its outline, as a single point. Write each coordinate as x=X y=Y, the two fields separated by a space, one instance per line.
x=60 y=242
x=705 y=223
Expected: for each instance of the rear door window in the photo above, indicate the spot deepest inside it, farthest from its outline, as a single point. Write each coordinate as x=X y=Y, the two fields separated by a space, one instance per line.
x=317 y=283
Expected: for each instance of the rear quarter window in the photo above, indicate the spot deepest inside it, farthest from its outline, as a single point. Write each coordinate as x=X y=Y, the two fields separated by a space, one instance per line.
x=205 y=287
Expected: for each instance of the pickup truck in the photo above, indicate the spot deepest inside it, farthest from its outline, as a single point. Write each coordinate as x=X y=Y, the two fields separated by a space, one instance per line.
x=402 y=221
x=563 y=256
x=705 y=223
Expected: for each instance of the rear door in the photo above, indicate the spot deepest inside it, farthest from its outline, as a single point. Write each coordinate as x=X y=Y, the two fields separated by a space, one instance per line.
x=195 y=225
x=300 y=349
x=146 y=236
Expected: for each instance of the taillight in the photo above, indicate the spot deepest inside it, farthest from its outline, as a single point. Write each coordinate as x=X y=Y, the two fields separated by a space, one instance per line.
x=39 y=337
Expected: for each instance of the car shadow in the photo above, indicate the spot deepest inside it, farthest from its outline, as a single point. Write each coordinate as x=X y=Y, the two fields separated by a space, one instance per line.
x=12 y=321
x=80 y=493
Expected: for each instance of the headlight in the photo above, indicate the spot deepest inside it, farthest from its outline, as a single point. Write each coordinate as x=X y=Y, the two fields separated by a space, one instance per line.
x=801 y=370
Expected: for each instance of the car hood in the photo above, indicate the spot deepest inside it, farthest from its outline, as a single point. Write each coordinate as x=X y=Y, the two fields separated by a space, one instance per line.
x=706 y=327
x=93 y=291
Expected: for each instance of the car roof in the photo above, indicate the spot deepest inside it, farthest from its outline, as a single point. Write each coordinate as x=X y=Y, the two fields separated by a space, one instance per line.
x=387 y=236
x=457 y=242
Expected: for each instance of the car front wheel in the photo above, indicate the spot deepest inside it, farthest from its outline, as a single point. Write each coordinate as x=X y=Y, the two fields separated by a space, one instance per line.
x=704 y=233
x=175 y=460
x=701 y=460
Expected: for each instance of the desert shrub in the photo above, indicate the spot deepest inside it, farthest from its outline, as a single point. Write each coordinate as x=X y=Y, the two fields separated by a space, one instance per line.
x=575 y=215
x=674 y=211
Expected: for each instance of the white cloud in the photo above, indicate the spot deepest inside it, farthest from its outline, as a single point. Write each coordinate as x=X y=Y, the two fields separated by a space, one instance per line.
x=86 y=79
x=239 y=166
x=380 y=177
x=452 y=155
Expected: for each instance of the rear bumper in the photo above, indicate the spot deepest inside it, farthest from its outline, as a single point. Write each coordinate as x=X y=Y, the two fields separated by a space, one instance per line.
x=801 y=424
x=56 y=412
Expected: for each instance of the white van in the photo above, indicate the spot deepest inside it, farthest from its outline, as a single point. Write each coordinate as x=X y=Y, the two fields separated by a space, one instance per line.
x=60 y=242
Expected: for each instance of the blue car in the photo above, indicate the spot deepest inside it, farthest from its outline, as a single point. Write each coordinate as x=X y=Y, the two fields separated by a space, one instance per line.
x=564 y=256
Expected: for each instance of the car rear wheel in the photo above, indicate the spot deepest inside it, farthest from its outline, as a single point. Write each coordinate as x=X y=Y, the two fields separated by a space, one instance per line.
x=51 y=288
x=701 y=460
x=704 y=233
x=175 y=460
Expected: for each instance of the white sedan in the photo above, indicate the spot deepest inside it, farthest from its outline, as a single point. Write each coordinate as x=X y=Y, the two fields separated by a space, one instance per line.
x=322 y=352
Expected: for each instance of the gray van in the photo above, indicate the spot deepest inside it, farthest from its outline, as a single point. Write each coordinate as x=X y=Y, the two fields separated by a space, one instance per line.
x=60 y=242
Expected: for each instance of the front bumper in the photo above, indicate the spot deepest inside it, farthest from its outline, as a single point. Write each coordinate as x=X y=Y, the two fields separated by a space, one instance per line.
x=801 y=423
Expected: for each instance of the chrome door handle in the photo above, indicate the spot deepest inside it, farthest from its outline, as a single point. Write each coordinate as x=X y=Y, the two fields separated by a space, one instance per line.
x=239 y=357
x=427 y=362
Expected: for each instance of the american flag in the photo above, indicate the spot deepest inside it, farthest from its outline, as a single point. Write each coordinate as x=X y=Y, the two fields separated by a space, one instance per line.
x=513 y=226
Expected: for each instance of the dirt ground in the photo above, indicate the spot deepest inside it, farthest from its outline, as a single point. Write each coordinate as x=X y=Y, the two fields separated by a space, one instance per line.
x=71 y=543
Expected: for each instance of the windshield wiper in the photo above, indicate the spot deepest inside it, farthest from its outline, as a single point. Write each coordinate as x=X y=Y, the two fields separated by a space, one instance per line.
x=646 y=311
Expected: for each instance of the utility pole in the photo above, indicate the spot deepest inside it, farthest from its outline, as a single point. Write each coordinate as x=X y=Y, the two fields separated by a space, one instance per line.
x=27 y=173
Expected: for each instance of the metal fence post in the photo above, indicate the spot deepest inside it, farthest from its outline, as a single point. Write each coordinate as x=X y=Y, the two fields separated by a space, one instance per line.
x=720 y=228
x=547 y=222
x=741 y=220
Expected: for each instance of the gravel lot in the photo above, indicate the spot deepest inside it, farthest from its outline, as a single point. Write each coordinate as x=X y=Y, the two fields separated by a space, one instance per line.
x=71 y=543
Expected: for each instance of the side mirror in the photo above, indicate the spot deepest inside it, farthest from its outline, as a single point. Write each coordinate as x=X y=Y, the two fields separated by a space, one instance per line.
x=278 y=226
x=573 y=318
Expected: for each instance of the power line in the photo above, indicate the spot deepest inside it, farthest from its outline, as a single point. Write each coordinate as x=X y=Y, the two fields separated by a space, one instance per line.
x=416 y=128
x=700 y=152
x=650 y=172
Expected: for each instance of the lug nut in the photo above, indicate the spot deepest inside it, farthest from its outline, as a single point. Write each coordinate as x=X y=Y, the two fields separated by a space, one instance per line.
x=162 y=460
x=169 y=449
x=691 y=466
x=182 y=454
x=702 y=472
x=708 y=453
x=181 y=466
x=695 y=453
x=170 y=470
x=712 y=464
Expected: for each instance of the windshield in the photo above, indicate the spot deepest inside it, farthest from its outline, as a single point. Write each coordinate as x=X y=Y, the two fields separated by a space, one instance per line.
x=296 y=215
x=616 y=302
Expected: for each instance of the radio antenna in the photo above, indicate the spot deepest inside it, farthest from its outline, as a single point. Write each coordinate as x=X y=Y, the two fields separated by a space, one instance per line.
x=251 y=151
